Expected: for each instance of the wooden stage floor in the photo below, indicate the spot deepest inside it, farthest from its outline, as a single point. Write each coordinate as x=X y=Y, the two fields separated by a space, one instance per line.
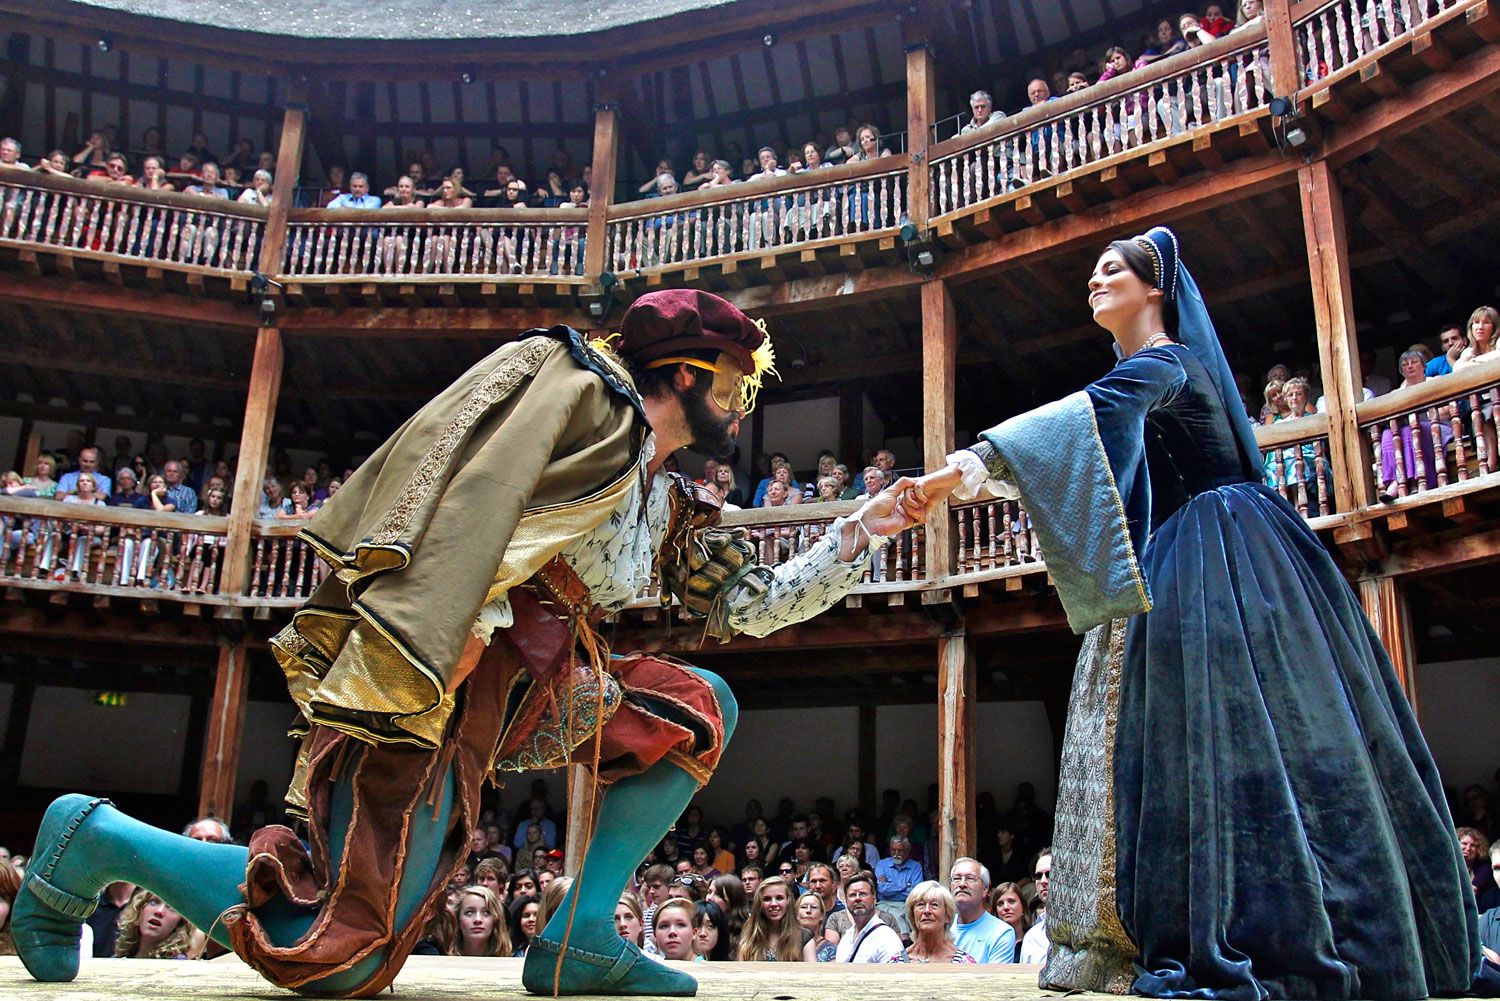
x=486 y=980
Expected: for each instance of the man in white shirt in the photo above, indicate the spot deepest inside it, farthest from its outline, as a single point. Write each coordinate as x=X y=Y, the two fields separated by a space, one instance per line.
x=869 y=938
x=1034 y=946
x=10 y=154
x=975 y=930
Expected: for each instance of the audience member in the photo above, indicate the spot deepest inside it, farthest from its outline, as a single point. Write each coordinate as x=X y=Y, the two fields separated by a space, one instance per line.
x=930 y=912
x=483 y=926
x=771 y=933
x=1453 y=341
x=357 y=197
x=88 y=462
x=10 y=154
x=977 y=932
x=870 y=938
x=1034 y=946
x=711 y=937
x=628 y=920
x=1010 y=907
x=151 y=929
x=673 y=928
x=982 y=108
x=896 y=874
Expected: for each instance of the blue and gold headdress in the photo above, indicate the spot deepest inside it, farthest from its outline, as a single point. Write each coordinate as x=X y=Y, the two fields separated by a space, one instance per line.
x=1196 y=330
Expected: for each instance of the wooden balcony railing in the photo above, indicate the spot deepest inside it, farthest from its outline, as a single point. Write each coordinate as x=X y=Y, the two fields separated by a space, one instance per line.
x=415 y=244
x=110 y=549
x=758 y=217
x=1333 y=36
x=1432 y=435
x=1199 y=89
x=993 y=535
x=1297 y=461
x=781 y=533
x=104 y=221
x=282 y=565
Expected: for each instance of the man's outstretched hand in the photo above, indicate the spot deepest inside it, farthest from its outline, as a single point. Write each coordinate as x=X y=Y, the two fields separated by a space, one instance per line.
x=887 y=513
x=921 y=495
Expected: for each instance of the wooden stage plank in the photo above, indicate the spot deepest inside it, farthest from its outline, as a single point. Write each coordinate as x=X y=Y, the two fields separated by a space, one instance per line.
x=492 y=979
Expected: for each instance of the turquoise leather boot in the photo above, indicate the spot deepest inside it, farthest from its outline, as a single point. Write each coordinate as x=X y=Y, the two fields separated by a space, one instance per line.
x=634 y=816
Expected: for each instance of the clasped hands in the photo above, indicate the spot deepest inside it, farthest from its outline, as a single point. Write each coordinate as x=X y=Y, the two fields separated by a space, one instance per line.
x=908 y=501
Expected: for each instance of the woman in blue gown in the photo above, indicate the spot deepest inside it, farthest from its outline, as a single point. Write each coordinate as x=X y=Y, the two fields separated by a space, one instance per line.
x=1247 y=808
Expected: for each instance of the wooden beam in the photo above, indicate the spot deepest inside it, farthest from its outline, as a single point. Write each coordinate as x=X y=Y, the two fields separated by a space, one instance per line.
x=226 y=727
x=957 y=758
x=1281 y=39
x=1464 y=548
x=104 y=299
x=254 y=450
x=283 y=188
x=602 y=194
x=939 y=376
x=495 y=323
x=1385 y=603
x=1338 y=343
x=921 y=108
x=804 y=295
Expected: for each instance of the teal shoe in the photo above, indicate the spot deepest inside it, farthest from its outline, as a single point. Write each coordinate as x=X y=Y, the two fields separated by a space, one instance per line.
x=47 y=922
x=627 y=970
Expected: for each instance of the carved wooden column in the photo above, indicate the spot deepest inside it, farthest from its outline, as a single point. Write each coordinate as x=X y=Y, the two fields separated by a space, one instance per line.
x=1384 y=600
x=957 y=758
x=1338 y=344
x=939 y=372
x=1286 y=78
x=226 y=727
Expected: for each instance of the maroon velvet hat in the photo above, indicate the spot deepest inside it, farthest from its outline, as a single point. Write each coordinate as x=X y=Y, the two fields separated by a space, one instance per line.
x=667 y=323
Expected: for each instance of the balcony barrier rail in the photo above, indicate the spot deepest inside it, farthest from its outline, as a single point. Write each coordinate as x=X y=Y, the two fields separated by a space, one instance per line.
x=1296 y=459
x=1198 y=89
x=1332 y=37
x=993 y=535
x=759 y=216
x=418 y=243
x=1439 y=432
x=283 y=566
x=110 y=547
x=782 y=533
x=104 y=221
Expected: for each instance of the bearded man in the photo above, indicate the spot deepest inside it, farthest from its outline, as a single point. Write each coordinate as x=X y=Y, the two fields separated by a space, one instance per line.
x=471 y=556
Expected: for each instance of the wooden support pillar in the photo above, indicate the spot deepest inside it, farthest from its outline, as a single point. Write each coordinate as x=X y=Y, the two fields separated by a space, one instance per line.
x=1286 y=79
x=1338 y=344
x=852 y=429
x=226 y=728
x=957 y=752
x=602 y=192
x=866 y=750
x=255 y=449
x=921 y=108
x=939 y=372
x=31 y=447
x=1384 y=600
x=283 y=188
x=582 y=807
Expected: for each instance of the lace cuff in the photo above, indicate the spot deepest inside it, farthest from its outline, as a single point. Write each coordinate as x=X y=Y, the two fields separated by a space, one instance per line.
x=983 y=471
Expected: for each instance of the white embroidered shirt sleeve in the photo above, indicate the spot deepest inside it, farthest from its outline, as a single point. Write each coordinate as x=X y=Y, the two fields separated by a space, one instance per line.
x=798 y=589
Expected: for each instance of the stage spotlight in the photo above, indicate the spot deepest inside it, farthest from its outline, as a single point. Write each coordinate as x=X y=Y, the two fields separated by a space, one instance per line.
x=466 y=77
x=768 y=39
x=1283 y=106
x=104 y=44
x=908 y=232
x=608 y=280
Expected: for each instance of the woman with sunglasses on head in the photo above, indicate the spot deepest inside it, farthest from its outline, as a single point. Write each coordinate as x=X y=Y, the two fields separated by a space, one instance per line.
x=1232 y=702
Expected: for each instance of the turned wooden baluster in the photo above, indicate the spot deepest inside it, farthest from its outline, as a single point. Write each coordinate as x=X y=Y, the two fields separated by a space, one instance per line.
x=297 y=589
x=190 y=583
x=1482 y=456
x=1399 y=451
x=1414 y=424
x=287 y=553
x=1439 y=453
x=1377 y=466
x=255 y=575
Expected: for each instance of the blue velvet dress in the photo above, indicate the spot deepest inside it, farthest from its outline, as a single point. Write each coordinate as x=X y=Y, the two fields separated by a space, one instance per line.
x=1280 y=825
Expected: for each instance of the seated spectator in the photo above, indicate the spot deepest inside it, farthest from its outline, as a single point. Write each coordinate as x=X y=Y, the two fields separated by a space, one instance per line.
x=41 y=480
x=930 y=910
x=870 y=938
x=299 y=504
x=896 y=874
x=55 y=162
x=982 y=109
x=358 y=196
x=1077 y=80
x=456 y=175
x=208 y=184
x=334 y=186
x=210 y=830
x=93 y=154
x=151 y=929
x=116 y=170
x=628 y=918
x=1214 y=22
x=772 y=934
x=215 y=502
x=273 y=502
x=829 y=489
x=157 y=494
x=1116 y=61
x=546 y=836
x=1484 y=323
x=241 y=157
x=182 y=496
x=483 y=925
x=699 y=174
x=522 y=884
x=1453 y=341
x=259 y=191
x=1010 y=907
x=450 y=194
x=812 y=915
x=1475 y=849
x=88 y=462
x=867 y=137
x=1165 y=42
x=1035 y=946
x=843 y=149
x=874 y=481
x=154 y=175
x=977 y=932
x=1274 y=409
x=1249 y=13
x=13 y=486
x=673 y=930
x=663 y=169
x=1414 y=373
x=711 y=938
x=10 y=154
x=1193 y=33
x=416 y=174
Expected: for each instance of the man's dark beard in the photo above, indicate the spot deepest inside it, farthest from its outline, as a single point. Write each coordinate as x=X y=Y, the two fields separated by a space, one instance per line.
x=711 y=436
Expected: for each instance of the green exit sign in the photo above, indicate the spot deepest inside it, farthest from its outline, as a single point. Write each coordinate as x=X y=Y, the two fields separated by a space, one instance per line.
x=115 y=699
